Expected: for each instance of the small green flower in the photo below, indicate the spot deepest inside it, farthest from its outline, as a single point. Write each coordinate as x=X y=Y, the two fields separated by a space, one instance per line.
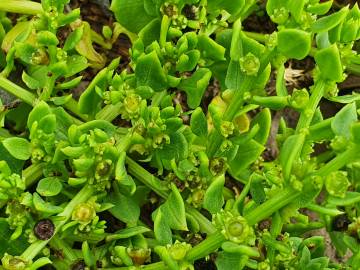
x=299 y=98
x=139 y=255
x=178 y=250
x=132 y=105
x=250 y=64
x=10 y=262
x=337 y=183
x=218 y=166
x=280 y=15
x=84 y=213
x=226 y=128
x=233 y=227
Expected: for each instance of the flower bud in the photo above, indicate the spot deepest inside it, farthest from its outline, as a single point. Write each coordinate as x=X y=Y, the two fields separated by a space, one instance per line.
x=250 y=64
x=13 y=263
x=299 y=99
x=337 y=183
x=139 y=256
x=178 y=250
x=234 y=228
x=84 y=213
x=280 y=15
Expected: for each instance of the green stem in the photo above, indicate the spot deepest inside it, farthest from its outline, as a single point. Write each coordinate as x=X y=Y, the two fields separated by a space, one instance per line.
x=209 y=245
x=269 y=207
x=280 y=81
x=73 y=107
x=205 y=225
x=16 y=90
x=324 y=210
x=147 y=178
x=340 y=161
x=308 y=113
x=216 y=138
x=162 y=190
x=32 y=173
x=61 y=245
x=30 y=98
x=21 y=7
x=109 y=112
x=300 y=228
x=257 y=36
x=157 y=98
x=97 y=38
x=82 y=196
x=353 y=68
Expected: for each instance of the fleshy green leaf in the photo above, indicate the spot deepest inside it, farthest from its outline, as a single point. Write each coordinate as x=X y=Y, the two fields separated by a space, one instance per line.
x=289 y=152
x=198 y=123
x=131 y=14
x=249 y=152
x=329 y=63
x=125 y=207
x=49 y=186
x=263 y=119
x=257 y=189
x=294 y=43
x=178 y=147
x=19 y=148
x=226 y=261
x=162 y=230
x=173 y=210
x=214 y=199
x=38 y=112
x=326 y=23
x=149 y=72
x=45 y=207
x=195 y=86
x=341 y=125
x=210 y=49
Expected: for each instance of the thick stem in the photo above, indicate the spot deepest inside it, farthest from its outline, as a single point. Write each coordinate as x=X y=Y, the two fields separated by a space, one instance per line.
x=216 y=138
x=280 y=81
x=109 y=112
x=16 y=90
x=147 y=178
x=73 y=107
x=205 y=225
x=163 y=191
x=33 y=250
x=257 y=36
x=269 y=207
x=308 y=113
x=21 y=7
x=206 y=247
x=350 y=155
x=32 y=173
x=324 y=210
x=62 y=246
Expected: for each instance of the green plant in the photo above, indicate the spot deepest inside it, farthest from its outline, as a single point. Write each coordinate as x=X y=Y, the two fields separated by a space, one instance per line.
x=78 y=191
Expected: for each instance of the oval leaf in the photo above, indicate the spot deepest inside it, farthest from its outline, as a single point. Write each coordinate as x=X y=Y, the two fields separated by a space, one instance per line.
x=19 y=148
x=50 y=186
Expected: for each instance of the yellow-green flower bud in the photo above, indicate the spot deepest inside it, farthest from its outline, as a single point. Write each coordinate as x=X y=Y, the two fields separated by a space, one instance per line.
x=84 y=213
x=250 y=64
x=178 y=250
x=234 y=228
x=10 y=262
x=337 y=183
